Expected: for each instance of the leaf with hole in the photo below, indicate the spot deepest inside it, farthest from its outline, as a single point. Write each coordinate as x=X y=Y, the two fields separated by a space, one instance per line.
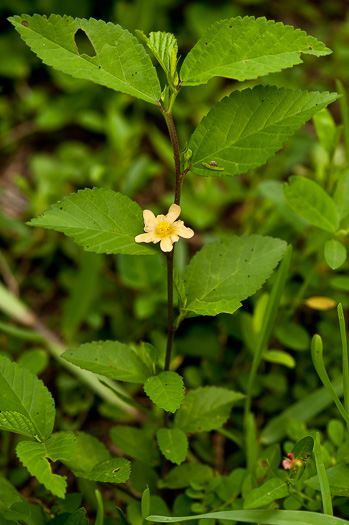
x=166 y=390
x=26 y=405
x=206 y=408
x=115 y=470
x=244 y=130
x=223 y=273
x=99 y=220
x=247 y=48
x=119 y=62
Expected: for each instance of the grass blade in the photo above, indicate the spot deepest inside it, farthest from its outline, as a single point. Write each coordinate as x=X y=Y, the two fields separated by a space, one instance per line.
x=324 y=484
x=345 y=358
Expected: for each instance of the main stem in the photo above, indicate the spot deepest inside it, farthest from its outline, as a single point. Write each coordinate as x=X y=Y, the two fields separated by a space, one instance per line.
x=177 y=198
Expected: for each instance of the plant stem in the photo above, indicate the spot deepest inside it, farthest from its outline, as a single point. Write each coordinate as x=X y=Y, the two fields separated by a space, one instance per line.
x=177 y=198
x=171 y=327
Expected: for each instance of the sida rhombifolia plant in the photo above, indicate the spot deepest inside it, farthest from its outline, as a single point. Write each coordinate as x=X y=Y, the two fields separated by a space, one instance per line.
x=239 y=133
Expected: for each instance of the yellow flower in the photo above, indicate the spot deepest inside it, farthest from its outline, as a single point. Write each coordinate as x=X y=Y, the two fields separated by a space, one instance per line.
x=164 y=228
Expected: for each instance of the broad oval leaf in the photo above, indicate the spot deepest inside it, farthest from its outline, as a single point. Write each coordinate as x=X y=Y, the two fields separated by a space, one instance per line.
x=166 y=390
x=136 y=443
x=34 y=456
x=26 y=405
x=270 y=491
x=115 y=470
x=245 y=129
x=102 y=221
x=88 y=452
x=226 y=272
x=8 y=495
x=110 y=359
x=206 y=408
x=173 y=444
x=120 y=62
x=311 y=202
x=303 y=448
x=247 y=48
x=185 y=475
x=335 y=253
x=338 y=478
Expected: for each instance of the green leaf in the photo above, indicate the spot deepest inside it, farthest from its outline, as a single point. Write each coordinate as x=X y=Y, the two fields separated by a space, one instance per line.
x=173 y=444
x=247 y=48
x=162 y=45
x=311 y=202
x=267 y=517
x=280 y=357
x=88 y=452
x=120 y=62
x=34 y=456
x=303 y=448
x=8 y=495
x=136 y=443
x=77 y=518
x=224 y=273
x=145 y=503
x=110 y=359
x=327 y=131
x=100 y=220
x=338 y=478
x=20 y=512
x=186 y=474
x=341 y=195
x=270 y=491
x=335 y=254
x=26 y=397
x=166 y=390
x=115 y=470
x=245 y=129
x=206 y=408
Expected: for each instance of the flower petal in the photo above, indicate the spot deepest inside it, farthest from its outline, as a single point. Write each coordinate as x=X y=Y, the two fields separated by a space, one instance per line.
x=150 y=220
x=166 y=244
x=182 y=230
x=147 y=237
x=174 y=238
x=173 y=213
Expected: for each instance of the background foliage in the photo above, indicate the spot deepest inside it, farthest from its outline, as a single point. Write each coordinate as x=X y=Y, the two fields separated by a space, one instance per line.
x=59 y=135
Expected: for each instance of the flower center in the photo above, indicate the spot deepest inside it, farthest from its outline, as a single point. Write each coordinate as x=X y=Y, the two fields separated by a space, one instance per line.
x=164 y=229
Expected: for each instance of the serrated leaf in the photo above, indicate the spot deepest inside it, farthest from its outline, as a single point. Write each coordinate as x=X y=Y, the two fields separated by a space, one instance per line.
x=115 y=470
x=311 y=202
x=335 y=254
x=206 y=408
x=34 y=456
x=224 y=273
x=166 y=390
x=120 y=62
x=173 y=444
x=245 y=129
x=136 y=443
x=110 y=359
x=77 y=518
x=247 y=48
x=21 y=392
x=102 y=221
x=270 y=491
x=161 y=45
